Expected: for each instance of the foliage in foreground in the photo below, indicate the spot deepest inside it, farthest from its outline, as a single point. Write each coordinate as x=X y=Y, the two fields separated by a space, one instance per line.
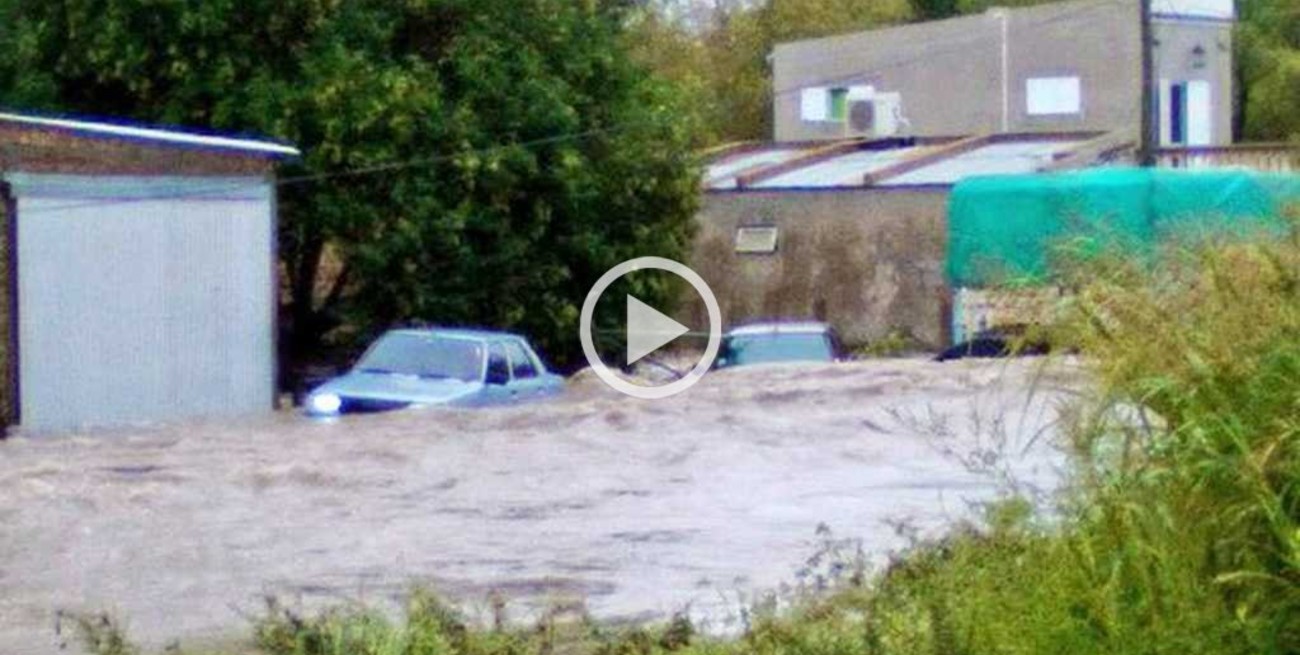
x=1180 y=535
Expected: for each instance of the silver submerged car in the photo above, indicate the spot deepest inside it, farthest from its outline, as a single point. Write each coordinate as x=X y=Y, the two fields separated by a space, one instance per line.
x=769 y=343
x=422 y=367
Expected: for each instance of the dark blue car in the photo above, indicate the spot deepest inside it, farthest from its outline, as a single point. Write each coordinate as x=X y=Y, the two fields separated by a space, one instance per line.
x=435 y=366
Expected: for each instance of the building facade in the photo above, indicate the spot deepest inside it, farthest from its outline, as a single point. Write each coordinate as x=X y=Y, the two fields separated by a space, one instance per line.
x=140 y=269
x=853 y=233
x=1065 y=66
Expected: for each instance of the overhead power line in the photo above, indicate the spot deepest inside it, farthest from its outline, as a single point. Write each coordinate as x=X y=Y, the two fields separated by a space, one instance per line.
x=217 y=190
x=226 y=189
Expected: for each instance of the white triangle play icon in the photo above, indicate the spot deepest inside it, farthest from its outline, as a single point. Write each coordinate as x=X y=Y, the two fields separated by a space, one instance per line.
x=648 y=329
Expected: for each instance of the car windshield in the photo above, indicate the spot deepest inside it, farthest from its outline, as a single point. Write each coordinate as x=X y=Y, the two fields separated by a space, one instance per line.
x=427 y=356
x=764 y=348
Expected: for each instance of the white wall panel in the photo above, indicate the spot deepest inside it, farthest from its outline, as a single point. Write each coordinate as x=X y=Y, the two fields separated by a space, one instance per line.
x=144 y=309
x=1200 y=114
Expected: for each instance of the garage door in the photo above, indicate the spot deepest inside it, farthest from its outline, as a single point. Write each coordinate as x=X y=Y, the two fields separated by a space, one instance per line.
x=143 y=300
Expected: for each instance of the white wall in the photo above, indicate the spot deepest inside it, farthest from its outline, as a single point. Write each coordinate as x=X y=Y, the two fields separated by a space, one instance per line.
x=141 y=300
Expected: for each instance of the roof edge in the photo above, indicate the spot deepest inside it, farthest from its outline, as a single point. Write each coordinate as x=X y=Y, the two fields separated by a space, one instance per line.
x=145 y=133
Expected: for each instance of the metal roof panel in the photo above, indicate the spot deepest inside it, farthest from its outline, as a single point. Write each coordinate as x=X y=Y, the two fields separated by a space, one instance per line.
x=722 y=174
x=994 y=159
x=841 y=171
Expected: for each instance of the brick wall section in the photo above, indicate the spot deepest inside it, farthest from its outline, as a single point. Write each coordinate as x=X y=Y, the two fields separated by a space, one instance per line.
x=869 y=261
x=50 y=150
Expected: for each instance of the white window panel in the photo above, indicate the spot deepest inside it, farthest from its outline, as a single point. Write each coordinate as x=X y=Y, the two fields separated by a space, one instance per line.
x=1200 y=114
x=815 y=104
x=1047 y=96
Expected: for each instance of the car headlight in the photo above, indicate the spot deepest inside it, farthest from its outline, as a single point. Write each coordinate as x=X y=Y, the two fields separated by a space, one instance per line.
x=324 y=403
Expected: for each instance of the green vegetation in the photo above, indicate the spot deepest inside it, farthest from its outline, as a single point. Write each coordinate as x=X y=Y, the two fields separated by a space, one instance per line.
x=895 y=343
x=718 y=54
x=1180 y=533
x=1268 y=70
x=510 y=150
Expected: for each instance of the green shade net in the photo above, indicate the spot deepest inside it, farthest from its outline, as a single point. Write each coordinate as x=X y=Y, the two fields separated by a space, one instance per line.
x=1008 y=229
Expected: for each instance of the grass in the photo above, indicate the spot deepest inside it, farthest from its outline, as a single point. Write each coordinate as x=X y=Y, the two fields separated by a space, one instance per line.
x=1180 y=534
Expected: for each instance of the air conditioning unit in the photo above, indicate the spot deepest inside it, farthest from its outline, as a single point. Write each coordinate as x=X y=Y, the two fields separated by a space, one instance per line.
x=862 y=116
x=879 y=115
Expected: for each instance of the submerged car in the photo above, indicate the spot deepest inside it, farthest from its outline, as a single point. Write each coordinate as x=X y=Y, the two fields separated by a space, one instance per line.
x=766 y=343
x=1003 y=341
x=422 y=367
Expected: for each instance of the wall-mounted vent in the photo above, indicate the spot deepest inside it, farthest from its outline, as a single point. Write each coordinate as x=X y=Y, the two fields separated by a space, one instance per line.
x=756 y=239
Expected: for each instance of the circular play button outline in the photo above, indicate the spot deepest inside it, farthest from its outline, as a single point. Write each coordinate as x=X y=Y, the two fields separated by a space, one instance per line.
x=607 y=375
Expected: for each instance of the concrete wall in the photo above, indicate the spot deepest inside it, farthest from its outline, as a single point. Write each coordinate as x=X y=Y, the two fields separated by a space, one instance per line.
x=143 y=299
x=869 y=261
x=950 y=73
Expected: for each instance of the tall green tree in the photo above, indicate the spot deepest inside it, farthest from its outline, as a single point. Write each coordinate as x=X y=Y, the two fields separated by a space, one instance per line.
x=722 y=53
x=466 y=161
x=1267 y=63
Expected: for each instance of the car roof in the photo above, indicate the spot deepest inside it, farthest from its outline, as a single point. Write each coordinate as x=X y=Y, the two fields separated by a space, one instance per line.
x=459 y=333
x=781 y=327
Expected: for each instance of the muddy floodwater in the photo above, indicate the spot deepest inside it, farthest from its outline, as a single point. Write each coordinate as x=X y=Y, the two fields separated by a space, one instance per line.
x=640 y=508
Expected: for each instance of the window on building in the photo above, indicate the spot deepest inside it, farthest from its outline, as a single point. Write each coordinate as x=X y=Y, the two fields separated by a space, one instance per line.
x=756 y=239
x=839 y=104
x=1053 y=96
x=1199 y=127
x=1186 y=113
x=821 y=104
x=814 y=104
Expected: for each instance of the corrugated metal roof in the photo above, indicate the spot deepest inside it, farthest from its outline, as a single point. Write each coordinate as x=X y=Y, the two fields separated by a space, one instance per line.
x=843 y=170
x=892 y=163
x=994 y=159
x=722 y=174
x=153 y=134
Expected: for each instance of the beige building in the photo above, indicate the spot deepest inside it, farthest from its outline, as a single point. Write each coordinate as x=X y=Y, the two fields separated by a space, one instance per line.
x=1065 y=66
x=137 y=271
x=854 y=233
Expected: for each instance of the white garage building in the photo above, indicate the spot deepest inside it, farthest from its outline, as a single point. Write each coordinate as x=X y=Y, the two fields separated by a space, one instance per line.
x=138 y=276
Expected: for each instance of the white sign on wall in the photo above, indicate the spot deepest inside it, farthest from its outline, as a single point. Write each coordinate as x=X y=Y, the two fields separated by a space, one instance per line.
x=1048 y=96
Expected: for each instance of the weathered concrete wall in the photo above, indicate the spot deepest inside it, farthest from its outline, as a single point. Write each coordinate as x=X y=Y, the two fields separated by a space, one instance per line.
x=868 y=261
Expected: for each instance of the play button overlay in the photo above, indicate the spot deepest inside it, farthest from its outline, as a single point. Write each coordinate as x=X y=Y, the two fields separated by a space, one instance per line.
x=649 y=329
